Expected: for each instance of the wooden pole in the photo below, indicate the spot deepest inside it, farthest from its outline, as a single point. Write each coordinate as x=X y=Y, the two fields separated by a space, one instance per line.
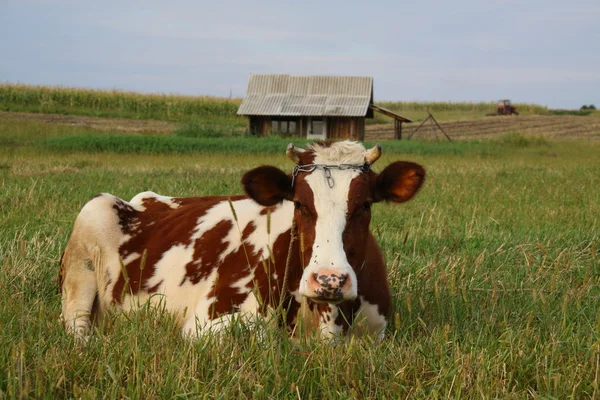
x=438 y=125
x=397 y=129
x=430 y=118
x=417 y=128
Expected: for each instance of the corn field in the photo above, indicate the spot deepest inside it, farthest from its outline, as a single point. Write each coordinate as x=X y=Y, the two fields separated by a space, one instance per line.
x=210 y=110
x=114 y=103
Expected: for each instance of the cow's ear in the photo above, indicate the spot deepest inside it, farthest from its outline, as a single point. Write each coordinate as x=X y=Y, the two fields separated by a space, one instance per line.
x=399 y=182
x=268 y=185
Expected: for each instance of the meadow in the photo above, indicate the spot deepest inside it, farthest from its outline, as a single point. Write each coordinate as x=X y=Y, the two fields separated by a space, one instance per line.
x=494 y=270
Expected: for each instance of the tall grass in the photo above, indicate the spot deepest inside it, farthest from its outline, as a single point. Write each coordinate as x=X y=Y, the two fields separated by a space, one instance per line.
x=493 y=268
x=115 y=103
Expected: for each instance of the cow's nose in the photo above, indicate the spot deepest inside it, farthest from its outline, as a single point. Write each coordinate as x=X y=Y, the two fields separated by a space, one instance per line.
x=329 y=285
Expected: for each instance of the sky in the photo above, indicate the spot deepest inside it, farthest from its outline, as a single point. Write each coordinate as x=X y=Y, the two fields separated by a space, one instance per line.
x=544 y=52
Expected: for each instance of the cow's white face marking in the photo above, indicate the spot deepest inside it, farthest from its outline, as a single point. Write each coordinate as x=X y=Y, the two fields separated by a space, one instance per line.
x=331 y=205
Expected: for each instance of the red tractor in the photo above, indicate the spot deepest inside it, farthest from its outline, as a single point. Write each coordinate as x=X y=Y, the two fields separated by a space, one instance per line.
x=505 y=108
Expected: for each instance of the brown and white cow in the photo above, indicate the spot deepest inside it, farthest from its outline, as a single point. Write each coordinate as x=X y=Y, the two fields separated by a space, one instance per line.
x=207 y=259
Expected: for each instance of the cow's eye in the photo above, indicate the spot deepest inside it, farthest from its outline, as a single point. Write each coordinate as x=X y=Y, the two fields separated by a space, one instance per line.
x=367 y=205
x=298 y=205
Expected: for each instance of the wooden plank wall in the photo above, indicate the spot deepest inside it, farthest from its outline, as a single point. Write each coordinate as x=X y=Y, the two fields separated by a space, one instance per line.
x=346 y=128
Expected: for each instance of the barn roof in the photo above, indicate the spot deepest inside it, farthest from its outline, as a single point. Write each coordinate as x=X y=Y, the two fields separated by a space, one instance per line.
x=296 y=95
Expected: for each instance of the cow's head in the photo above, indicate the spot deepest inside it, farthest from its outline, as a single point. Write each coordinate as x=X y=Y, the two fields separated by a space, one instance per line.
x=332 y=189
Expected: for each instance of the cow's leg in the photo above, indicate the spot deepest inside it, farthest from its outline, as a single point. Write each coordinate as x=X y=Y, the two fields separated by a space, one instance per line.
x=79 y=290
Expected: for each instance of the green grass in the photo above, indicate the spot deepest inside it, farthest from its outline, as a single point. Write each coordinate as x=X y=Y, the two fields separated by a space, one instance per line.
x=579 y=113
x=163 y=144
x=494 y=270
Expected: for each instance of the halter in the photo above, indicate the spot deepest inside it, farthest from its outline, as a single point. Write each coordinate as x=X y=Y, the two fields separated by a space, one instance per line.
x=327 y=169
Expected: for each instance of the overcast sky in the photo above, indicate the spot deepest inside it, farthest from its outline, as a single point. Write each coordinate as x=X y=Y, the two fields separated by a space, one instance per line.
x=539 y=51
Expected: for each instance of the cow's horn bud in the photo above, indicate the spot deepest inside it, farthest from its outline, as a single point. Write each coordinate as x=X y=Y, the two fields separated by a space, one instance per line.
x=294 y=152
x=373 y=154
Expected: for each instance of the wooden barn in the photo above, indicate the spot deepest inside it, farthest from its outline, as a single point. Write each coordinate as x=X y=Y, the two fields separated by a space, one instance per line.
x=315 y=107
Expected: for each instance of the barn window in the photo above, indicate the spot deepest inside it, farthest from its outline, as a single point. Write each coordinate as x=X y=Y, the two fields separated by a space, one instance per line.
x=283 y=125
x=317 y=128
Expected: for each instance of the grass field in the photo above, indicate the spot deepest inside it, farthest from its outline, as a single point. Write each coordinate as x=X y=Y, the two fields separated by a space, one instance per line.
x=494 y=270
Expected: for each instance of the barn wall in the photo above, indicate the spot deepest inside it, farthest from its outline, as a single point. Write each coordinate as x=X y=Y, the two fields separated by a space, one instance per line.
x=346 y=128
x=338 y=128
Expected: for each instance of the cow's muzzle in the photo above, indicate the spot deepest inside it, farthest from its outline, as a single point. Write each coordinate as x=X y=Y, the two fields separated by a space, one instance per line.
x=329 y=286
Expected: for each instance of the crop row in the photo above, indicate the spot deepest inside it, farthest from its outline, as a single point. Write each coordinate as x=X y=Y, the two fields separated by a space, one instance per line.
x=115 y=103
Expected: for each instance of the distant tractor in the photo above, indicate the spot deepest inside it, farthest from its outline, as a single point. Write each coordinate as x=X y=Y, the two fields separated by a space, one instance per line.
x=505 y=108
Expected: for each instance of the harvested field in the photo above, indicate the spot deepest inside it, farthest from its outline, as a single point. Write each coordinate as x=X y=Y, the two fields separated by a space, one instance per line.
x=557 y=127
x=110 y=124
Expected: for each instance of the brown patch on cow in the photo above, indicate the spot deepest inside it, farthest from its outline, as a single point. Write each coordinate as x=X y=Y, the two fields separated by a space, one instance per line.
x=156 y=230
x=362 y=251
x=207 y=250
x=372 y=277
x=305 y=216
x=251 y=227
x=267 y=210
x=245 y=261
x=346 y=313
x=360 y=193
x=308 y=157
x=237 y=265
x=355 y=233
x=127 y=216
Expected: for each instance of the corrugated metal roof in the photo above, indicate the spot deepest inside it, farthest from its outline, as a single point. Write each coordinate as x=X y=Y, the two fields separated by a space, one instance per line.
x=294 y=95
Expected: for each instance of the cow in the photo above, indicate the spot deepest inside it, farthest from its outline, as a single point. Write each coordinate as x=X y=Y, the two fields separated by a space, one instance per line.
x=293 y=238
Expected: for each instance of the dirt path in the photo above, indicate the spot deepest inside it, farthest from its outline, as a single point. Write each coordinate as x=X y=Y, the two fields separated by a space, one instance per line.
x=559 y=127
x=113 y=124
